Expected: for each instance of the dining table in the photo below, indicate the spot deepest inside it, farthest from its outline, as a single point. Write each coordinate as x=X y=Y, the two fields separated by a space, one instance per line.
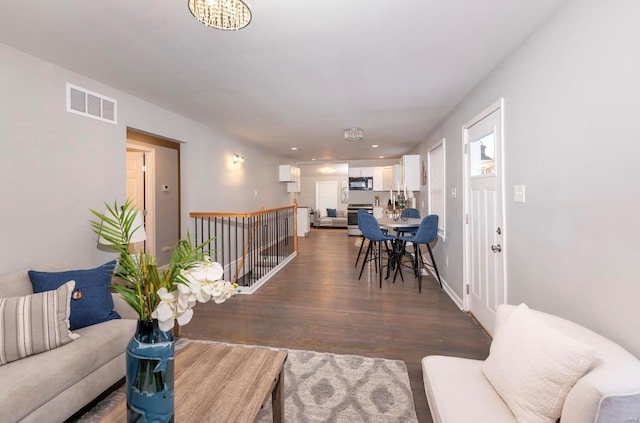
x=398 y=244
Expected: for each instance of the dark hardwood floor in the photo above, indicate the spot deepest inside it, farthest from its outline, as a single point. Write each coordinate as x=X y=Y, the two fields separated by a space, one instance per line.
x=317 y=303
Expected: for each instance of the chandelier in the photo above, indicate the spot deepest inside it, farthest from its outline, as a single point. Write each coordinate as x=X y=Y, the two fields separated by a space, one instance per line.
x=228 y=15
x=353 y=134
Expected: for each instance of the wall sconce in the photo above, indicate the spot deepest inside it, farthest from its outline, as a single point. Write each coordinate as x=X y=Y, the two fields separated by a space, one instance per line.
x=238 y=158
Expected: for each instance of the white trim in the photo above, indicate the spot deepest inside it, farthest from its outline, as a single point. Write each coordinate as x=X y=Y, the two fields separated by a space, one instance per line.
x=442 y=219
x=498 y=105
x=253 y=288
x=447 y=288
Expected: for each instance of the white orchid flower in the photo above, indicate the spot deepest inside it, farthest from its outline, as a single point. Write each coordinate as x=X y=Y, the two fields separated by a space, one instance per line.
x=202 y=283
x=185 y=317
x=166 y=312
x=222 y=291
x=186 y=295
x=207 y=271
x=200 y=278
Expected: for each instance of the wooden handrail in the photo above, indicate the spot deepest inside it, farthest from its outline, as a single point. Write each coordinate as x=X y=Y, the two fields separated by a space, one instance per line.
x=238 y=214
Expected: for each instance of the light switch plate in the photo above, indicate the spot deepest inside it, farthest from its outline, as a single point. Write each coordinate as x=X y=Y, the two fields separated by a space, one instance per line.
x=518 y=193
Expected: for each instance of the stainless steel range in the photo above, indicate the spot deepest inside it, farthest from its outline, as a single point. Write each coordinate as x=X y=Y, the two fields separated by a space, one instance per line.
x=352 y=217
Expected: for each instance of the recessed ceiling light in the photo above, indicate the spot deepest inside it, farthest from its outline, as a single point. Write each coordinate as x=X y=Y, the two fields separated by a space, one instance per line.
x=374 y=146
x=294 y=148
x=381 y=157
x=313 y=159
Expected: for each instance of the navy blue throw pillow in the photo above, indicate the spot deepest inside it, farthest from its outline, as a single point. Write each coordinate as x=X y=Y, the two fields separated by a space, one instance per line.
x=331 y=213
x=91 y=300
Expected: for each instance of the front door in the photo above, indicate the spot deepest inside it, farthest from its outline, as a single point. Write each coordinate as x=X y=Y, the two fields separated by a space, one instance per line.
x=484 y=226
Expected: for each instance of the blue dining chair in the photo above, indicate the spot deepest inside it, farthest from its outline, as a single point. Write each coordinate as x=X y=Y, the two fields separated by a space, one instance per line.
x=409 y=213
x=360 y=211
x=426 y=234
x=371 y=231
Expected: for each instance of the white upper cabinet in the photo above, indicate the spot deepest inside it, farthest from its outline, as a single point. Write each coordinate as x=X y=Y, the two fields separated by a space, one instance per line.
x=411 y=172
x=396 y=177
x=295 y=185
x=378 y=179
x=288 y=173
x=291 y=175
x=387 y=178
x=358 y=172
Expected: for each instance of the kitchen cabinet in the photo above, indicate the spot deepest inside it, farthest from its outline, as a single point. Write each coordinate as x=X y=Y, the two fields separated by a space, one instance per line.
x=288 y=173
x=378 y=179
x=410 y=165
x=387 y=178
x=295 y=185
x=396 y=177
x=358 y=172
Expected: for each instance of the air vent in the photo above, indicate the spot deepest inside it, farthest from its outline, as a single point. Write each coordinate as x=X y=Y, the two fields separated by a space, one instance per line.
x=87 y=103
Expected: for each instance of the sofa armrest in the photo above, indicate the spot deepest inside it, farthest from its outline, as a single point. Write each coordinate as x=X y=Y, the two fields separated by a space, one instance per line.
x=124 y=310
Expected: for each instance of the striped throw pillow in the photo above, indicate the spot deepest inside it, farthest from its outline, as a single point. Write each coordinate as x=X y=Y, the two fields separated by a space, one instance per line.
x=35 y=323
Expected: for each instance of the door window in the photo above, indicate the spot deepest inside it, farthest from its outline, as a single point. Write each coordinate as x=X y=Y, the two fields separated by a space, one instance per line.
x=482 y=156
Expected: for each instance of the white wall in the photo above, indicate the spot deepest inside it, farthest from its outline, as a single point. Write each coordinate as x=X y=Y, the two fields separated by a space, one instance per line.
x=55 y=165
x=307 y=195
x=572 y=101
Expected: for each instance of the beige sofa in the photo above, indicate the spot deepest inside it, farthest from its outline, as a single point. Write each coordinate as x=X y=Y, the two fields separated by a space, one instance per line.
x=54 y=385
x=459 y=390
x=340 y=221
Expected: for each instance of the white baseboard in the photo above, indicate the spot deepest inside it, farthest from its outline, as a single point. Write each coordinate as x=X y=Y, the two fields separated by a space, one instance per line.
x=445 y=286
x=253 y=288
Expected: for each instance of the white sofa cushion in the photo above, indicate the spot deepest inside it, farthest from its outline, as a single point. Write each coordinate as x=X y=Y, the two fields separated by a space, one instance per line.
x=609 y=390
x=457 y=391
x=35 y=323
x=533 y=366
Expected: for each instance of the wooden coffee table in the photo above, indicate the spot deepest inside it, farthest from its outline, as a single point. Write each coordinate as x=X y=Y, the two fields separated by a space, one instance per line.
x=222 y=383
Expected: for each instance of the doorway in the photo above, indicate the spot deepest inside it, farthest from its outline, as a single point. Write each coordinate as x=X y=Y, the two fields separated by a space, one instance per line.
x=153 y=184
x=484 y=273
x=326 y=197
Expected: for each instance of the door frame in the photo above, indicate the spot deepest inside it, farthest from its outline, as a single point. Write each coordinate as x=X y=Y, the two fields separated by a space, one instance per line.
x=498 y=105
x=148 y=142
x=149 y=194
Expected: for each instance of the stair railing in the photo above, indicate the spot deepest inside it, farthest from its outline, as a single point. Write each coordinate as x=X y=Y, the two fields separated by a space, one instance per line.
x=251 y=247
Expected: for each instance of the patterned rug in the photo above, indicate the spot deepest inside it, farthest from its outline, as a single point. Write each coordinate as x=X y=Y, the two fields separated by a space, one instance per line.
x=325 y=387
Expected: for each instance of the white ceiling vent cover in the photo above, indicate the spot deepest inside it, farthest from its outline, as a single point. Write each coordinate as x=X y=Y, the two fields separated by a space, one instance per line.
x=87 y=103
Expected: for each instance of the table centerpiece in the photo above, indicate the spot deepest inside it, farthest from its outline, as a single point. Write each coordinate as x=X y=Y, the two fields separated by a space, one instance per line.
x=160 y=296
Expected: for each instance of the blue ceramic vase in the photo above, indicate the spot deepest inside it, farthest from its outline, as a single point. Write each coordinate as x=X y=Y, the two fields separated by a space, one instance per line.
x=150 y=362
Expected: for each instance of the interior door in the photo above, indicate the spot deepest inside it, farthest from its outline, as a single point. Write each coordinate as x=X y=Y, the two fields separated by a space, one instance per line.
x=135 y=178
x=484 y=240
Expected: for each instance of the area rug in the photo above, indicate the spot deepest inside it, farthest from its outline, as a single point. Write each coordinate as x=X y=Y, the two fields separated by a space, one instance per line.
x=325 y=387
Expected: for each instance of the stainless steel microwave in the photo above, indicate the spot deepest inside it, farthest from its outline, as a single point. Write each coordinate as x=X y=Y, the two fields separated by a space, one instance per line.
x=361 y=183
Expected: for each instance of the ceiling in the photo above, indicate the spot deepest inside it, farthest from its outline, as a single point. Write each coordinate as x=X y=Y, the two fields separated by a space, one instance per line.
x=299 y=74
